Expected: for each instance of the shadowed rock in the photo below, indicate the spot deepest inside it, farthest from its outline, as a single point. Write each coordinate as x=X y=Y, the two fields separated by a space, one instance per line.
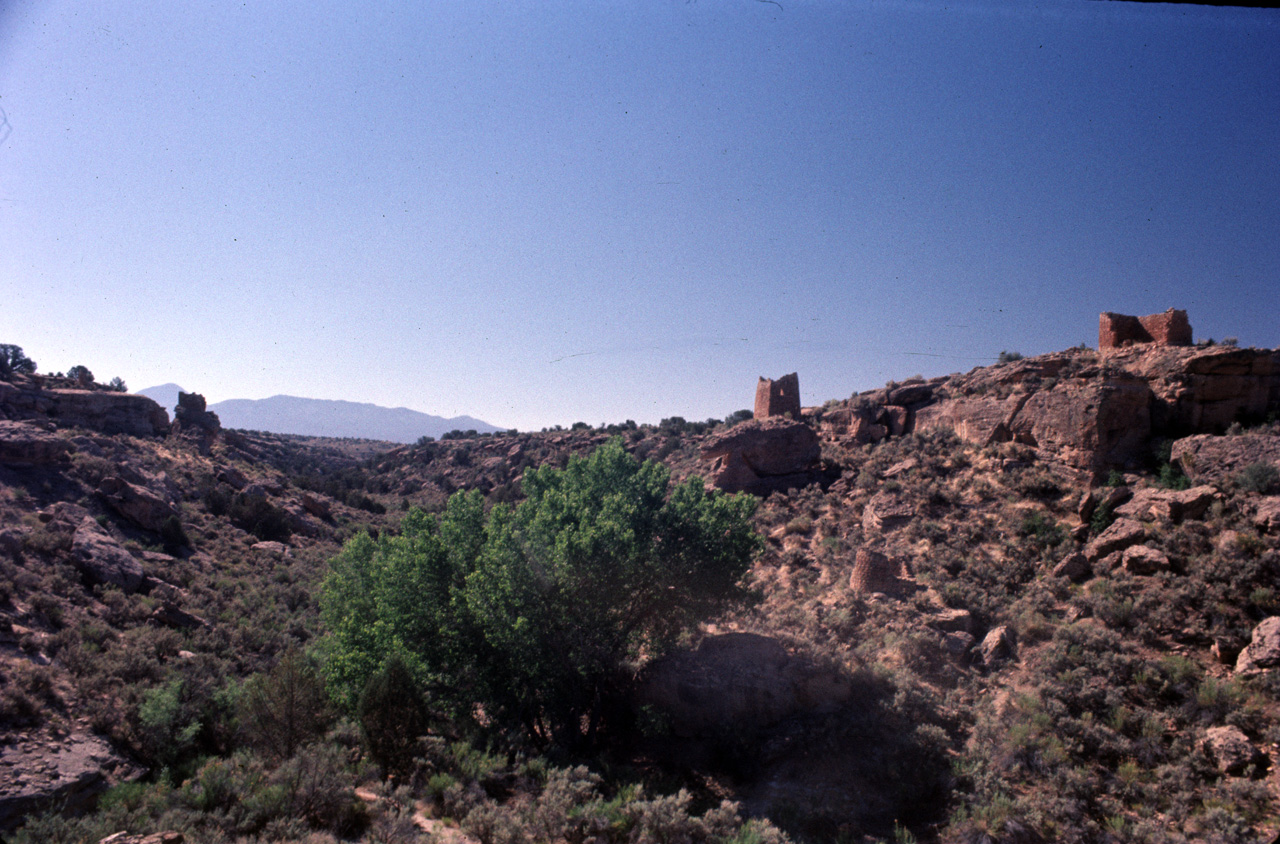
x=102 y=559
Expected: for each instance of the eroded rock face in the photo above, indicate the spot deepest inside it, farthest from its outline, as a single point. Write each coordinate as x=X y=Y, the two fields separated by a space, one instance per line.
x=1263 y=650
x=102 y=559
x=762 y=455
x=22 y=444
x=67 y=772
x=110 y=412
x=1089 y=410
x=138 y=504
x=1122 y=534
x=193 y=421
x=743 y=679
x=1215 y=459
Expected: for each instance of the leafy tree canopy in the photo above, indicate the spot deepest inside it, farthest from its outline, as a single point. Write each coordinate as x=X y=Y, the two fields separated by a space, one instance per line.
x=13 y=360
x=540 y=613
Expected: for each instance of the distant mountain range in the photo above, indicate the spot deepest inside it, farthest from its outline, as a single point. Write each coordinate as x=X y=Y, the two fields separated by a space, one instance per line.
x=325 y=417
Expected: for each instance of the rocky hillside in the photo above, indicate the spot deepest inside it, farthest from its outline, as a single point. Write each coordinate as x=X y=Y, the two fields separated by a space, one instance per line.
x=1032 y=602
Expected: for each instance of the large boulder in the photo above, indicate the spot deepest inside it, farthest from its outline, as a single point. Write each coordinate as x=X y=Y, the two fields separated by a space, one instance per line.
x=103 y=560
x=887 y=511
x=760 y=455
x=1263 y=650
x=22 y=444
x=1230 y=749
x=1169 y=504
x=138 y=504
x=1121 y=534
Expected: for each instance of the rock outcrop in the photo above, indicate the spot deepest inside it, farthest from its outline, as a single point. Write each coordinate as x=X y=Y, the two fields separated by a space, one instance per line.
x=140 y=505
x=1215 y=459
x=109 y=412
x=1263 y=650
x=761 y=456
x=67 y=773
x=778 y=398
x=22 y=444
x=193 y=419
x=1088 y=410
x=106 y=411
x=1170 y=328
x=104 y=560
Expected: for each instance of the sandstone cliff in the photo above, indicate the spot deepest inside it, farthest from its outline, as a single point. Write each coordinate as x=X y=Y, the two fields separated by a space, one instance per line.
x=1090 y=410
x=105 y=411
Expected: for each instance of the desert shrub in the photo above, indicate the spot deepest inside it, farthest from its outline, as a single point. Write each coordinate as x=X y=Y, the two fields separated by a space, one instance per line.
x=392 y=715
x=1008 y=357
x=1041 y=531
x=169 y=728
x=1260 y=477
x=173 y=535
x=48 y=540
x=1103 y=517
x=281 y=710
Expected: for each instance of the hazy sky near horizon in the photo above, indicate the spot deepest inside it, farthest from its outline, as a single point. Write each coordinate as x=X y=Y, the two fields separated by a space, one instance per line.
x=538 y=213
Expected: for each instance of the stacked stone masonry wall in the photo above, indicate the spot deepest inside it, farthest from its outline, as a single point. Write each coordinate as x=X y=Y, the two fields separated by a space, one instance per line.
x=778 y=398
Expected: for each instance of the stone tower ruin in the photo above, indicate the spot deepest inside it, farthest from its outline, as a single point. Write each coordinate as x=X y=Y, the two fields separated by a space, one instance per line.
x=1170 y=328
x=778 y=398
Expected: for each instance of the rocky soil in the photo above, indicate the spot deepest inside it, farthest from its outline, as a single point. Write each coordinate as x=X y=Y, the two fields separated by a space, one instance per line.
x=1037 y=601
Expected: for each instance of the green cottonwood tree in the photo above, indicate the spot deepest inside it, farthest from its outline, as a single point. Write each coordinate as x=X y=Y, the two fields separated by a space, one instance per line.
x=539 y=613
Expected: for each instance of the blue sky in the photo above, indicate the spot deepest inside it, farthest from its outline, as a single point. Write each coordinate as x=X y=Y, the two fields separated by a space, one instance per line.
x=540 y=213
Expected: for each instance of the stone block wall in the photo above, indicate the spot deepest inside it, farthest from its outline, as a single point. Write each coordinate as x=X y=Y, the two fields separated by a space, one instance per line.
x=1170 y=328
x=778 y=398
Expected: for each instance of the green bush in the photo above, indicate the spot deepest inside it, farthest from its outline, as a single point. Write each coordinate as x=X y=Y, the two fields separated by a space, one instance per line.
x=535 y=611
x=1261 y=477
x=393 y=715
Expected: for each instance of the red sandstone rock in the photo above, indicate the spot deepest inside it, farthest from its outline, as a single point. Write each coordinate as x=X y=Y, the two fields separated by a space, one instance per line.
x=778 y=398
x=1121 y=534
x=759 y=449
x=1216 y=459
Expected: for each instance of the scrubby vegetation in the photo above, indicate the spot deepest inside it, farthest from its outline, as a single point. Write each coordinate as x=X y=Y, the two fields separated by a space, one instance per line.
x=458 y=640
